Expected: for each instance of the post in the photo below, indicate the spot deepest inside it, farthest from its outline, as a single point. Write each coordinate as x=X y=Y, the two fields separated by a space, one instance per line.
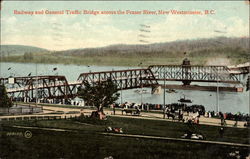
x=164 y=95
x=217 y=91
x=1 y=68
x=36 y=84
x=249 y=92
x=121 y=96
x=141 y=94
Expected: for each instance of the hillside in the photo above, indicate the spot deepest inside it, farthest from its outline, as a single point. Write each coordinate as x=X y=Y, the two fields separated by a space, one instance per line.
x=191 y=47
x=216 y=51
x=11 y=50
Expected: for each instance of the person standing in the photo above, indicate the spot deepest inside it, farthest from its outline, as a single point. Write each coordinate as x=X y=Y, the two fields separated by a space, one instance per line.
x=113 y=109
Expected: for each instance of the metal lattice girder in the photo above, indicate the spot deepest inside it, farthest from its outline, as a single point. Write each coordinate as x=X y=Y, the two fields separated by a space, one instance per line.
x=46 y=87
x=194 y=73
x=57 y=87
x=125 y=79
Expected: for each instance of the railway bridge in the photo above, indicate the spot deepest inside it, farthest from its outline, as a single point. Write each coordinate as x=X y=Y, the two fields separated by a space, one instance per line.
x=57 y=87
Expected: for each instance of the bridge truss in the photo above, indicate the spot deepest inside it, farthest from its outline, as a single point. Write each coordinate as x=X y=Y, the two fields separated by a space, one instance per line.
x=195 y=73
x=57 y=87
x=125 y=79
x=46 y=87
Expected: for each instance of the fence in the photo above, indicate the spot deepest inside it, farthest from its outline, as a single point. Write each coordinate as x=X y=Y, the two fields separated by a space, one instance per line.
x=20 y=110
x=38 y=117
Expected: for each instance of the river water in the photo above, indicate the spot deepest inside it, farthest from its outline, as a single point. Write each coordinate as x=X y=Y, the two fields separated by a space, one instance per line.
x=228 y=101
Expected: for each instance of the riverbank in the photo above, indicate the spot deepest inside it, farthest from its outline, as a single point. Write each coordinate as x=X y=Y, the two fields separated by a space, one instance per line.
x=99 y=60
x=116 y=60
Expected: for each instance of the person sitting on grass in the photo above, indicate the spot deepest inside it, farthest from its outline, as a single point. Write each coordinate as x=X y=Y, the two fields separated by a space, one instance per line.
x=221 y=132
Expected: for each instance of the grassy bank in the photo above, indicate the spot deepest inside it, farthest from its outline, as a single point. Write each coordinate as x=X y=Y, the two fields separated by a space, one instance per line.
x=87 y=141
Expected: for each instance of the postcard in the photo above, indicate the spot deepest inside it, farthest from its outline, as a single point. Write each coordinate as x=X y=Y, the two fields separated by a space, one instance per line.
x=124 y=79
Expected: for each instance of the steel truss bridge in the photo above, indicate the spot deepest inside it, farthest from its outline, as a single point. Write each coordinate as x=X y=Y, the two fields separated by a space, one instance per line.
x=58 y=88
x=194 y=73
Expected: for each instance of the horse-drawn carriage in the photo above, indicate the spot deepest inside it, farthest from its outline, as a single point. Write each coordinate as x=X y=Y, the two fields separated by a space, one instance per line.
x=131 y=111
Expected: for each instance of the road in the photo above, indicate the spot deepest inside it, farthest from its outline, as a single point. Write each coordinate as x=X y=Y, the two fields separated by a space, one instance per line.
x=69 y=112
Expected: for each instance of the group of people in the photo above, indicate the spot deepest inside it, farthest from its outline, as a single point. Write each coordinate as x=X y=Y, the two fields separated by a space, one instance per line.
x=228 y=116
x=177 y=110
x=173 y=107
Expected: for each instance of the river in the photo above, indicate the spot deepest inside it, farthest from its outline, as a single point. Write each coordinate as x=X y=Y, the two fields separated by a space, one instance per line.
x=228 y=101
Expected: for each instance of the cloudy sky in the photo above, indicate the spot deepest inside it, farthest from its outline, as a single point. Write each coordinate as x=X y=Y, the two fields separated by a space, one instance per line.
x=60 y=32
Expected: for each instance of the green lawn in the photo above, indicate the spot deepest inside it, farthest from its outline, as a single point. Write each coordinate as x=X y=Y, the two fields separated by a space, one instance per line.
x=87 y=141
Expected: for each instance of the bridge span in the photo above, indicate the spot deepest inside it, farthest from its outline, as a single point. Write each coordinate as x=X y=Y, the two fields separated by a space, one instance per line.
x=195 y=73
x=57 y=87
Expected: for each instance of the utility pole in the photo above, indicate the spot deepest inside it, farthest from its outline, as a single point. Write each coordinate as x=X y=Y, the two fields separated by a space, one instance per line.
x=144 y=35
x=164 y=95
x=217 y=91
x=36 y=84
x=121 y=95
x=0 y=66
x=141 y=94
x=248 y=84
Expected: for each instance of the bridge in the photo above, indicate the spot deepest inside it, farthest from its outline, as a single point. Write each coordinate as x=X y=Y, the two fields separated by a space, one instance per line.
x=58 y=88
x=195 y=73
x=49 y=87
x=124 y=79
x=240 y=69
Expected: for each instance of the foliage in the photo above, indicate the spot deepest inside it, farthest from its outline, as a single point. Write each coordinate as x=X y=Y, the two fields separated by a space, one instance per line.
x=99 y=94
x=5 y=101
x=201 y=51
x=28 y=56
x=11 y=50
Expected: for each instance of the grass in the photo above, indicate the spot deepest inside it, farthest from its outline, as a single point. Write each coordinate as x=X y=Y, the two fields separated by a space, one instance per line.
x=87 y=142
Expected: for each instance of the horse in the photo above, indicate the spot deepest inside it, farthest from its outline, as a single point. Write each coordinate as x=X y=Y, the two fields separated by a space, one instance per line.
x=170 y=115
x=127 y=111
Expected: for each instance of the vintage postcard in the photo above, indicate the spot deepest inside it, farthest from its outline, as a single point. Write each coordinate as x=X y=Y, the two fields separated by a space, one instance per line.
x=124 y=79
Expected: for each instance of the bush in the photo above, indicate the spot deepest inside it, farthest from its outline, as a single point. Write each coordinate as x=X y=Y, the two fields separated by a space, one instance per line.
x=5 y=101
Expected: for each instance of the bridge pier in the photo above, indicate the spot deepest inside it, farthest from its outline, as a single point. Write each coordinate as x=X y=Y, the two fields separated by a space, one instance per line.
x=186 y=67
x=156 y=90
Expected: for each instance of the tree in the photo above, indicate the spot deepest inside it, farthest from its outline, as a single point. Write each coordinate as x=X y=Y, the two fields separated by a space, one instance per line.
x=5 y=101
x=99 y=94
x=28 y=56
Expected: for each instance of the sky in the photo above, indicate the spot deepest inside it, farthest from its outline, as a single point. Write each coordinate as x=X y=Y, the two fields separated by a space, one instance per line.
x=62 y=32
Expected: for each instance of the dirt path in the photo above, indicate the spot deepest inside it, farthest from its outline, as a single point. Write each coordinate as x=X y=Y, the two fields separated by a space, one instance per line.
x=66 y=112
x=178 y=139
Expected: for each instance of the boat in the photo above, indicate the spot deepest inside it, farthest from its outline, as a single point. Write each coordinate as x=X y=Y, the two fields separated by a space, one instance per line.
x=184 y=100
x=144 y=91
x=171 y=91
